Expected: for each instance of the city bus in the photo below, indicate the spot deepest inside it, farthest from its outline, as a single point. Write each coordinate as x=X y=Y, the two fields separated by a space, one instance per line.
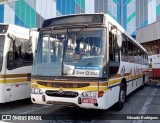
x=16 y=58
x=86 y=60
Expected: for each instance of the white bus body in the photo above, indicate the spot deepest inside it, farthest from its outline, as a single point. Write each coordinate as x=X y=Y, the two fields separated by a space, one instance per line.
x=95 y=70
x=16 y=62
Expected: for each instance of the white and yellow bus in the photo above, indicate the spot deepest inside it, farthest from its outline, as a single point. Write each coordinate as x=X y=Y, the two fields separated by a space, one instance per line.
x=87 y=60
x=16 y=58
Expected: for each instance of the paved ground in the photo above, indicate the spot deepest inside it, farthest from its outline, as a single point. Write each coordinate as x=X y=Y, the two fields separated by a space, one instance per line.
x=140 y=102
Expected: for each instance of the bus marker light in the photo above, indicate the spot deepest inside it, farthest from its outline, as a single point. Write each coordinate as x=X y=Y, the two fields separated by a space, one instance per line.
x=8 y=89
x=17 y=85
x=96 y=104
x=33 y=100
x=79 y=101
x=43 y=98
x=100 y=93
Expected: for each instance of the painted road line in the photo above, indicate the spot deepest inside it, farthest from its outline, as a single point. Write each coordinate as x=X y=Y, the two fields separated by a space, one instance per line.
x=147 y=104
x=5 y=122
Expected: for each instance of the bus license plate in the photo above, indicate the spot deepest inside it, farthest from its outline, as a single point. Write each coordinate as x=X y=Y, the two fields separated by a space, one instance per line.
x=89 y=100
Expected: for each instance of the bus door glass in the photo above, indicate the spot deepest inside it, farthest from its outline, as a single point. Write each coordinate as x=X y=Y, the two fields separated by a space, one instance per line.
x=114 y=50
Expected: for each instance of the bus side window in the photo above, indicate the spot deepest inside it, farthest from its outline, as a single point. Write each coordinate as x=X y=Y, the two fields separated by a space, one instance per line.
x=19 y=54
x=110 y=46
x=130 y=52
x=113 y=48
x=114 y=54
x=11 y=55
x=26 y=52
x=124 y=51
x=135 y=51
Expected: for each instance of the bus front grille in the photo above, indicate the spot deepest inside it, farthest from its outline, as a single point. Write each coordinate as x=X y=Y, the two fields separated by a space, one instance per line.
x=63 y=84
x=61 y=103
x=56 y=93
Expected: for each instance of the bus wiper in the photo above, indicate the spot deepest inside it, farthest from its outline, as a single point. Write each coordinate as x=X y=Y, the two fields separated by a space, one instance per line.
x=65 y=45
x=84 y=26
x=64 y=49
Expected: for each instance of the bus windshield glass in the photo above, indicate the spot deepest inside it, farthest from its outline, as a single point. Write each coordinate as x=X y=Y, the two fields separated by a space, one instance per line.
x=2 y=39
x=75 y=52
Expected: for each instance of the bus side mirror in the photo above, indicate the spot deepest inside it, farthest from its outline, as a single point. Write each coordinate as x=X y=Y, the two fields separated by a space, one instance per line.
x=18 y=42
x=119 y=41
x=113 y=27
x=11 y=36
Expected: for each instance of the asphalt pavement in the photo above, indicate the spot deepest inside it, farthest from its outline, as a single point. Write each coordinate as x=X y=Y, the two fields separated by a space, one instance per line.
x=141 y=104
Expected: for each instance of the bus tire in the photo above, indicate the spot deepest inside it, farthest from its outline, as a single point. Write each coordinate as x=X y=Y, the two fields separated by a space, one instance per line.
x=143 y=84
x=122 y=95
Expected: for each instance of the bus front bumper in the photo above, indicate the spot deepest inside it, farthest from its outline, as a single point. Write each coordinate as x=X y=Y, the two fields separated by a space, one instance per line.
x=83 y=102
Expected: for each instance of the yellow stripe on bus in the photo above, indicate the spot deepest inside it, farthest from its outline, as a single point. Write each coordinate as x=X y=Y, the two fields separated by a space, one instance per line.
x=114 y=82
x=90 y=88
x=111 y=82
x=16 y=80
x=1 y=81
x=13 y=80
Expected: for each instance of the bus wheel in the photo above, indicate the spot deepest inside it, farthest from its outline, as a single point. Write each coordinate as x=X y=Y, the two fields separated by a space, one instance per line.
x=122 y=95
x=143 y=84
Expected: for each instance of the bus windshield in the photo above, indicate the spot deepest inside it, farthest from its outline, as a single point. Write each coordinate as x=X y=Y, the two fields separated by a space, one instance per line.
x=2 y=39
x=75 y=52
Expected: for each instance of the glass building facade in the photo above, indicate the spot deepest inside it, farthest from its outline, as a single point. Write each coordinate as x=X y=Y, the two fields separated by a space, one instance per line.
x=131 y=14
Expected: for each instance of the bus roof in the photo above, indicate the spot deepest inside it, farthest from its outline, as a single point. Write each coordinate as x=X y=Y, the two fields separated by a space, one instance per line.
x=14 y=29
x=74 y=19
x=13 y=25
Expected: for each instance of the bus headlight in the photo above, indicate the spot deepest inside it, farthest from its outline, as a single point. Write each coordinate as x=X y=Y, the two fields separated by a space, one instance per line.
x=33 y=91
x=40 y=91
x=90 y=94
x=37 y=91
x=93 y=94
